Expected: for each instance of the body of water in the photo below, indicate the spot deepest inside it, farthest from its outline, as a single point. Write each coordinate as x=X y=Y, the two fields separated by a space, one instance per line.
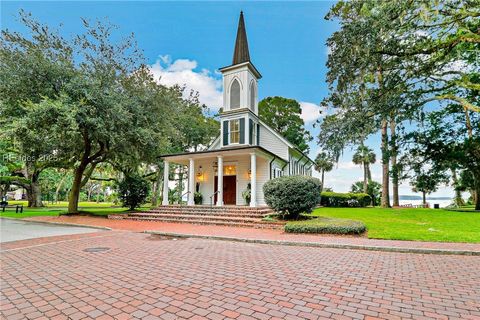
x=443 y=203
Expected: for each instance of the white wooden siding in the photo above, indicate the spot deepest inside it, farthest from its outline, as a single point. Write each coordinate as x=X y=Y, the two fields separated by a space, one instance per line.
x=272 y=143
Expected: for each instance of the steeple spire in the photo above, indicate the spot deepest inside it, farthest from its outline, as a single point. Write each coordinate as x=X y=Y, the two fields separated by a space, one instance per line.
x=241 y=53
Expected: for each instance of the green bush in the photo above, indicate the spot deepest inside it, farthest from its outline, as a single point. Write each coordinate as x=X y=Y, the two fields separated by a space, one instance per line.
x=335 y=199
x=133 y=191
x=292 y=195
x=326 y=225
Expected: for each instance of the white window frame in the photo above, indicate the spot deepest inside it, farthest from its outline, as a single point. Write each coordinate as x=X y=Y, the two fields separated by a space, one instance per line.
x=235 y=79
x=277 y=172
x=230 y=122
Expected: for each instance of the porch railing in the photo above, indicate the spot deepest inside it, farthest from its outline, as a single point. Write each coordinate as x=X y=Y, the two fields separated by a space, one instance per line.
x=211 y=199
x=181 y=201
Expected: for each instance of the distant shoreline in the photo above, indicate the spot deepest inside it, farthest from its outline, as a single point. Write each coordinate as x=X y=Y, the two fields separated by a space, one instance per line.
x=413 y=197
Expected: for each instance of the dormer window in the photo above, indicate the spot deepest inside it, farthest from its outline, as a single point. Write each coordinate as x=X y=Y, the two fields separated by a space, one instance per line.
x=235 y=131
x=235 y=95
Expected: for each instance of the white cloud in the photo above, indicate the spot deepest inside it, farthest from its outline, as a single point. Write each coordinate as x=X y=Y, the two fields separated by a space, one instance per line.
x=348 y=165
x=310 y=111
x=183 y=72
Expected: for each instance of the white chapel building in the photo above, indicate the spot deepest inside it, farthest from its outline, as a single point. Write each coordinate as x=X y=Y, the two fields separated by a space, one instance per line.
x=247 y=151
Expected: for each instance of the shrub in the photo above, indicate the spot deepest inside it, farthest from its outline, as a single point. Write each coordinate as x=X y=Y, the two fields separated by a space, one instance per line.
x=133 y=191
x=292 y=195
x=326 y=225
x=335 y=199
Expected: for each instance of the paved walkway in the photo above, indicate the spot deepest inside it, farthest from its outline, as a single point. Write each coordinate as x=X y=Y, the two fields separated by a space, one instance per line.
x=263 y=234
x=142 y=276
x=13 y=230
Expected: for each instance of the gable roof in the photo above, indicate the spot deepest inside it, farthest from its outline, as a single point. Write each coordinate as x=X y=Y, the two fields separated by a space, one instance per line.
x=275 y=133
x=288 y=143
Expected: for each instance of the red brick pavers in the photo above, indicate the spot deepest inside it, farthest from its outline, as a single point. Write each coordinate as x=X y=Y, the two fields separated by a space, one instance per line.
x=250 y=233
x=150 y=277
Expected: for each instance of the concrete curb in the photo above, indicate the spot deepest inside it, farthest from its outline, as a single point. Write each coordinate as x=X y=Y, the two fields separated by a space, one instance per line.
x=60 y=223
x=322 y=245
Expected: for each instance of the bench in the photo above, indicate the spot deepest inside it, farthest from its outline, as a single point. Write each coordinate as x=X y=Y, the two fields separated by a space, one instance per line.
x=18 y=207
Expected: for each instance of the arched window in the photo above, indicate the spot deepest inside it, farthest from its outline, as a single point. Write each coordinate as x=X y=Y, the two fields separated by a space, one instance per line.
x=235 y=95
x=252 y=95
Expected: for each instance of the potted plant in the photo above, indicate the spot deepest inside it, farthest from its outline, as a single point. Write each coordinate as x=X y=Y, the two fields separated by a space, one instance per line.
x=198 y=198
x=247 y=194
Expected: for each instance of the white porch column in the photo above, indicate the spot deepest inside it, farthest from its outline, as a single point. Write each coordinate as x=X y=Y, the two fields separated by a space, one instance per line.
x=165 y=182
x=191 y=183
x=253 y=179
x=220 y=181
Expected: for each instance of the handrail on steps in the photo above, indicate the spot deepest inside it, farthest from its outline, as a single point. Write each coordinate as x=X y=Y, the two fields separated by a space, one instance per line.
x=181 y=198
x=211 y=198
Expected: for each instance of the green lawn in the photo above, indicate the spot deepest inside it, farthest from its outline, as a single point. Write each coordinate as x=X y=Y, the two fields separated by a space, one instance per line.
x=399 y=224
x=412 y=224
x=64 y=204
x=99 y=209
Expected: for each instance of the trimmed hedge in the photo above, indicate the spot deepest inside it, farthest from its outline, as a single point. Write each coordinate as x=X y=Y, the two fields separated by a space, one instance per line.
x=291 y=195
x=326 y=225
x=335 y=199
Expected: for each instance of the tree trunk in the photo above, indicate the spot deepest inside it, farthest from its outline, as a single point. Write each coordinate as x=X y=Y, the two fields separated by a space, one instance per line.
x=323 y=179
x=458 y=194
x=476 y=197
x=476 y=190
x=78 y=175
x=75 y=191
x=34 y=192
x=424 y=198
x=32 y=187
x=60 y=185
x=393 y=159
x=385 y=166
x=99 y=191
x=468 y=123
x=156 y=191
x=365 y=177
x=369 y=173
x=3 y=191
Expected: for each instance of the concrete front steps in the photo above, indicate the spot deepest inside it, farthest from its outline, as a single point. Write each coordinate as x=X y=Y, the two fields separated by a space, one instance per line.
x=237 y=216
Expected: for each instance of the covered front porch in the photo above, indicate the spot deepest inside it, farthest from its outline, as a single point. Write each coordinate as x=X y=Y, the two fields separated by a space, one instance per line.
x=222 y=177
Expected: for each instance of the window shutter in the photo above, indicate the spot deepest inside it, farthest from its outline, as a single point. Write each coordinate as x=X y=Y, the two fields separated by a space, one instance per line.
x=250 y=131
x=225 y=133
x=242 y=130
x=258 y=134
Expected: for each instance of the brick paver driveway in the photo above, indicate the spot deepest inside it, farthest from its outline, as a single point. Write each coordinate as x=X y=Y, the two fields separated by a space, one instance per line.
x=149 y=277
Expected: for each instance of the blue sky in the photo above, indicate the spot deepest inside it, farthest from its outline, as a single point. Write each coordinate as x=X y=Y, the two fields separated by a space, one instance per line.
x=186 y=43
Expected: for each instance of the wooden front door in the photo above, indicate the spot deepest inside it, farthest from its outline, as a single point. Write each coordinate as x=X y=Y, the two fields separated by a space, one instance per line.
x=229 y=189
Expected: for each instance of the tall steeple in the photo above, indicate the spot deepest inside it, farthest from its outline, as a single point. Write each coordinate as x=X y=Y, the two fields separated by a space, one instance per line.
x=241 y=53
x=241 y=77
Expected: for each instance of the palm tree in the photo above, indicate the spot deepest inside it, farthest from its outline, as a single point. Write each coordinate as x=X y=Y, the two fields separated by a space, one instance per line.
x=365 y=156
x=323 y=163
